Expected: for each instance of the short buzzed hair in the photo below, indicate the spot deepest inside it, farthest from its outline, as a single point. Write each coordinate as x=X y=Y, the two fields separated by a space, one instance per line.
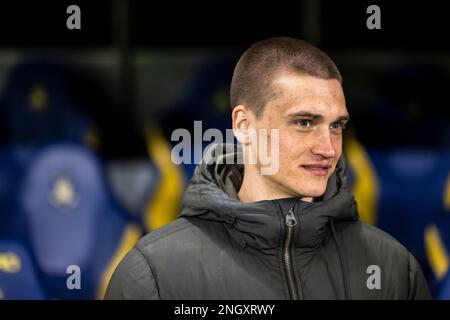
x=257 y=67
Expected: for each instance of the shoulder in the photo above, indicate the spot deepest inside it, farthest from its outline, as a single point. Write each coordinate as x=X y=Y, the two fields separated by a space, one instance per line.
x=373 y=233
x=182 y=237
x=360 y=236
x=172 y=231
x=367 y=246
x=157 y=253
x=132 y=279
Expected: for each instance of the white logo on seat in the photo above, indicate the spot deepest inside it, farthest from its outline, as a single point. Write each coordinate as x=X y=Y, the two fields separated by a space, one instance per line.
x=63 y=192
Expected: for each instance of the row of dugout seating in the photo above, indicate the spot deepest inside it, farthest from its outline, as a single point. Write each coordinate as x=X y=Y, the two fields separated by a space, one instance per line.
x=64 y=203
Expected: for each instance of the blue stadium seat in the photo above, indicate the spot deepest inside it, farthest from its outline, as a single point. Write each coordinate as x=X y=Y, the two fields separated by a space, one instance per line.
x=40 y=103
x=72 y=219
x=46 y=102
x=411 y=193
x=19 y=278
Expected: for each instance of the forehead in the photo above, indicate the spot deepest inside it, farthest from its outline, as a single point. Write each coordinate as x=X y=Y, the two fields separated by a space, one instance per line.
x=294 y=92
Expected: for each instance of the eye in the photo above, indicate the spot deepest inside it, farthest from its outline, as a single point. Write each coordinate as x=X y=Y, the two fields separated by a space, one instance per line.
x=338 y=126
x=304 y=123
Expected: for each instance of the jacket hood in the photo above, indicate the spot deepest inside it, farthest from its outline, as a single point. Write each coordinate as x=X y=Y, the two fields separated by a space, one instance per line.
x=212 y=195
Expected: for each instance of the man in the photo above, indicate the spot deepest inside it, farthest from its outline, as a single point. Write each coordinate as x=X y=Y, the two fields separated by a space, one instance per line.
x=291 y=234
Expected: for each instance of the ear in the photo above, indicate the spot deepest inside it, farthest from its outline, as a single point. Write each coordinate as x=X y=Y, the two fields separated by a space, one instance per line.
x=241 y=118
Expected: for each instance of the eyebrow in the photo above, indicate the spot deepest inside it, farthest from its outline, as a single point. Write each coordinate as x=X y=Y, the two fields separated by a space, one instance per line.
x=316 y=116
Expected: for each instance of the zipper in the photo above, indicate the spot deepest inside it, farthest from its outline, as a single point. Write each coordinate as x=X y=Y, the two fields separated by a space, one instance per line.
x=291 y=222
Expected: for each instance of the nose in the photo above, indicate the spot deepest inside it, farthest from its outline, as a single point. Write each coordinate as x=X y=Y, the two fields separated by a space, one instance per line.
x=323 y=145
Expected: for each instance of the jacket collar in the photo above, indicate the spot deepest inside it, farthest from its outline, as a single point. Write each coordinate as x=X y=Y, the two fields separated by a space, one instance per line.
x=212 y=195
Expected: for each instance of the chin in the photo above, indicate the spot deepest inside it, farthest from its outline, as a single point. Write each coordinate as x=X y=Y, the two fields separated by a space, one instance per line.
x=314 y=192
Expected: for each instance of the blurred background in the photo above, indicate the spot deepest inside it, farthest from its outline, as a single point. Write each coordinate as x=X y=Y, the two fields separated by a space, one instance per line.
x=86 y=118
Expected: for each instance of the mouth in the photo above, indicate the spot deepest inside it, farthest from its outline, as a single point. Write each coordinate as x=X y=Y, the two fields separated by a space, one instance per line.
x=317 y=169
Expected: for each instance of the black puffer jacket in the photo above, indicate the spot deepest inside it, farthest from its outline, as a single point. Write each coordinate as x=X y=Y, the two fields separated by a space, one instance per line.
x=220 y=248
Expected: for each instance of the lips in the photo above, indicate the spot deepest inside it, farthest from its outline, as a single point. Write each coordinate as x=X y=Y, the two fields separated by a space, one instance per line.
x=317 y=169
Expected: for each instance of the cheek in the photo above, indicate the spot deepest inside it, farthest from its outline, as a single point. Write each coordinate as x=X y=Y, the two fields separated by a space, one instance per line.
x=337 y=144
x=292 y=149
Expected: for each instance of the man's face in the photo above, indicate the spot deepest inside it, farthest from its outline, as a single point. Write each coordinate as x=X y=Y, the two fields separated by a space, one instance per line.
x=310 y=114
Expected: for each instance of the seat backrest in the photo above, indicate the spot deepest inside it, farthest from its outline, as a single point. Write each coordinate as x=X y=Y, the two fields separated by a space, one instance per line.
x=39 y=104
x=73 y=219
